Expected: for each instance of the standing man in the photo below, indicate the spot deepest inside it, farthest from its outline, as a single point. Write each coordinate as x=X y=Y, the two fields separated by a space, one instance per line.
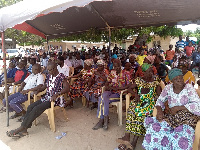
x=170 y=55
x=180 y=43
x=189 y=49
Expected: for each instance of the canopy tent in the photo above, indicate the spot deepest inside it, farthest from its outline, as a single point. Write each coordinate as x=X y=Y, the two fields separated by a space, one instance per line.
x=53 y=19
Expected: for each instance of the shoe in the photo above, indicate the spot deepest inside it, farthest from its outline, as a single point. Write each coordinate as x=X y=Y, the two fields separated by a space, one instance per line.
x=105 y=125
x=98 y=125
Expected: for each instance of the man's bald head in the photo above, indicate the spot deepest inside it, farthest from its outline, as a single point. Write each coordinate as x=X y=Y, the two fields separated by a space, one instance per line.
x=52 y=68
x=36 y=69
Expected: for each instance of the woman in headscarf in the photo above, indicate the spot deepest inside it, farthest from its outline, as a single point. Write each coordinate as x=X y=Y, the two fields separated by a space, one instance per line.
x=187 y=75
x=145 y=89
x=80 y=85
x=100 y=77
x=174 y=130
x=149 y=60
x=116 y=81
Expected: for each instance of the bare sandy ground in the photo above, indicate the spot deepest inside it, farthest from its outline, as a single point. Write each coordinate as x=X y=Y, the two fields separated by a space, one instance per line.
x=80 y=135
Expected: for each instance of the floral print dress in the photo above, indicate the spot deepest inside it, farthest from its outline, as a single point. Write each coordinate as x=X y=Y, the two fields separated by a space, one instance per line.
x=80 y=85
x=175 y=132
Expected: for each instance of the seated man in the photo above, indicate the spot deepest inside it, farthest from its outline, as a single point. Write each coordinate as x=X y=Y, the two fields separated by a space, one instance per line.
x=117 y=80
x=62 y=67
x=31 y=83
x=56 y=85
x=20 y=75
x=10 y=73
x=32 y=62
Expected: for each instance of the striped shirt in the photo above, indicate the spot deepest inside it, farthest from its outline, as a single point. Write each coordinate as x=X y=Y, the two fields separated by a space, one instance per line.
x=180 y=44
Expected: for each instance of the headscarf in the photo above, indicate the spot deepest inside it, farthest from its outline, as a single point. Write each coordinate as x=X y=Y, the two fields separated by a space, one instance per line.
x=100 y=62
x=89 y=62
x=146 y=66
x=174 y=73
x=133 y=55
x=150 y=58
x=114 y=56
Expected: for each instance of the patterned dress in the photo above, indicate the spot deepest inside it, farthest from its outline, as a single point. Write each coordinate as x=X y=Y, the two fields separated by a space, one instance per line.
x=99 y=83
x=175 y=132
x=138 y=112
x=80 y=85
x=54 y=85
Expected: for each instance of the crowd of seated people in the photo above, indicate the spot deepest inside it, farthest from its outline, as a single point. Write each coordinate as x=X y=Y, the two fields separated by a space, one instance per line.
x=155 y=80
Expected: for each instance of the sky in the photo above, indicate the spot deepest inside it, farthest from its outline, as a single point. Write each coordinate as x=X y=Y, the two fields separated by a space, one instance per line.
x=191 y=27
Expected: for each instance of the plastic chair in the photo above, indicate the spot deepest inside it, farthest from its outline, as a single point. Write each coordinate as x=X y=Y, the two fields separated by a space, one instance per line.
x=118 y=105
x=197 y=133
x=51 y=111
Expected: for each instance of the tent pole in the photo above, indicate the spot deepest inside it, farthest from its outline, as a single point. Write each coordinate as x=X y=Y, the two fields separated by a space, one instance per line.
x=5 y=74
x=47 y=44
x=109 y=37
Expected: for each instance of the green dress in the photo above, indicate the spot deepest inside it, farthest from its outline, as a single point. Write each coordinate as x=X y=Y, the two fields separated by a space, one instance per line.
x=138 y=111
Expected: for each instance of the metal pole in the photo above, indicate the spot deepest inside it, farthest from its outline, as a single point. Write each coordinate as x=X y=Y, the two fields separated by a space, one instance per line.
x=109 y=37
x=5 y=74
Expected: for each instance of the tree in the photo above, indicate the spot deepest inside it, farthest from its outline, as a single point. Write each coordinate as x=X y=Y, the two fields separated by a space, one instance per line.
x=20 y=37
x=118 y=35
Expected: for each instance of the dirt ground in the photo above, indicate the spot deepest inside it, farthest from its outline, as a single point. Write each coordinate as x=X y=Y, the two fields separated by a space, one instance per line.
x=80 y=135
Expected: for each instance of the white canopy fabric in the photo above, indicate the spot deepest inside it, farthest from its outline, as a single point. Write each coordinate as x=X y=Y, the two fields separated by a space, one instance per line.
x=57 y=18
x=30 y=9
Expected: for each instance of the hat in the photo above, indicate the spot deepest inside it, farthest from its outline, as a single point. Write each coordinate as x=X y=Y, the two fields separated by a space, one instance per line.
x=174 y=73
x=89 y=62
x=100 y=62
x=114 y=56
x=145 y=66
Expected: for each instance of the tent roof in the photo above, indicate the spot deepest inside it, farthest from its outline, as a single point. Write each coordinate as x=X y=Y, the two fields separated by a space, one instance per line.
x=62 y=19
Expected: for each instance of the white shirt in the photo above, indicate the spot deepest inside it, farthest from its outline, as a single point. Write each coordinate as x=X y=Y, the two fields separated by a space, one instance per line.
x=68 y=63
x=33 y=81
x=64 y=70
x=77 y=63
x=44 y=62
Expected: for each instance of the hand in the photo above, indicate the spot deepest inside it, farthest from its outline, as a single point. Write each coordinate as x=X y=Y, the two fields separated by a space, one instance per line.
x=96 y=73
x=175 y=109
x=54 y=97
x=36 y=92
x=24 y=92
x=159 y=115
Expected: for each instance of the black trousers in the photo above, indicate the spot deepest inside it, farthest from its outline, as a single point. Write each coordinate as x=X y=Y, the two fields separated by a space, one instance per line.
x=34 y=110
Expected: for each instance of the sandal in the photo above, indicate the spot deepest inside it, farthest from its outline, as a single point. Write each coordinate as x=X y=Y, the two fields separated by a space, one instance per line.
x=10 y=133
x=122 y=147
x=19 y=135
x=2 y=110
x=20 y=119
x=15 y=115
x=123 y=142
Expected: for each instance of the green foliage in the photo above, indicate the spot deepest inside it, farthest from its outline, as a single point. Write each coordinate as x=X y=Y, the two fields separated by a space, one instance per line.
x=118 y=35
x=196 y=33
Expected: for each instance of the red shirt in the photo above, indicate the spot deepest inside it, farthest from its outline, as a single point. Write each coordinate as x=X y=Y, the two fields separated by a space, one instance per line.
x=170 y=54
x=20 y=75
x=189 y=50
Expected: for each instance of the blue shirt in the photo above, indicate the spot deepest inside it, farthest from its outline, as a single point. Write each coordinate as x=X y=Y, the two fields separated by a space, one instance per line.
x=11 y=73
x=196 y=57
x=180 y=44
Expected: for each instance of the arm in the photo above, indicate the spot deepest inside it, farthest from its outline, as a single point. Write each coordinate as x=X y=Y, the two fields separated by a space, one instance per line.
x=64 y=90
x=75 y=76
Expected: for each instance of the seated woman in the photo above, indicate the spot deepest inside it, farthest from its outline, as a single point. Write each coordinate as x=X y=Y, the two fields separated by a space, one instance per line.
x=187 y=75
x=147 y=88
x=80 y=85
x=100 y=77
x=175 y=130
x=116 y=81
